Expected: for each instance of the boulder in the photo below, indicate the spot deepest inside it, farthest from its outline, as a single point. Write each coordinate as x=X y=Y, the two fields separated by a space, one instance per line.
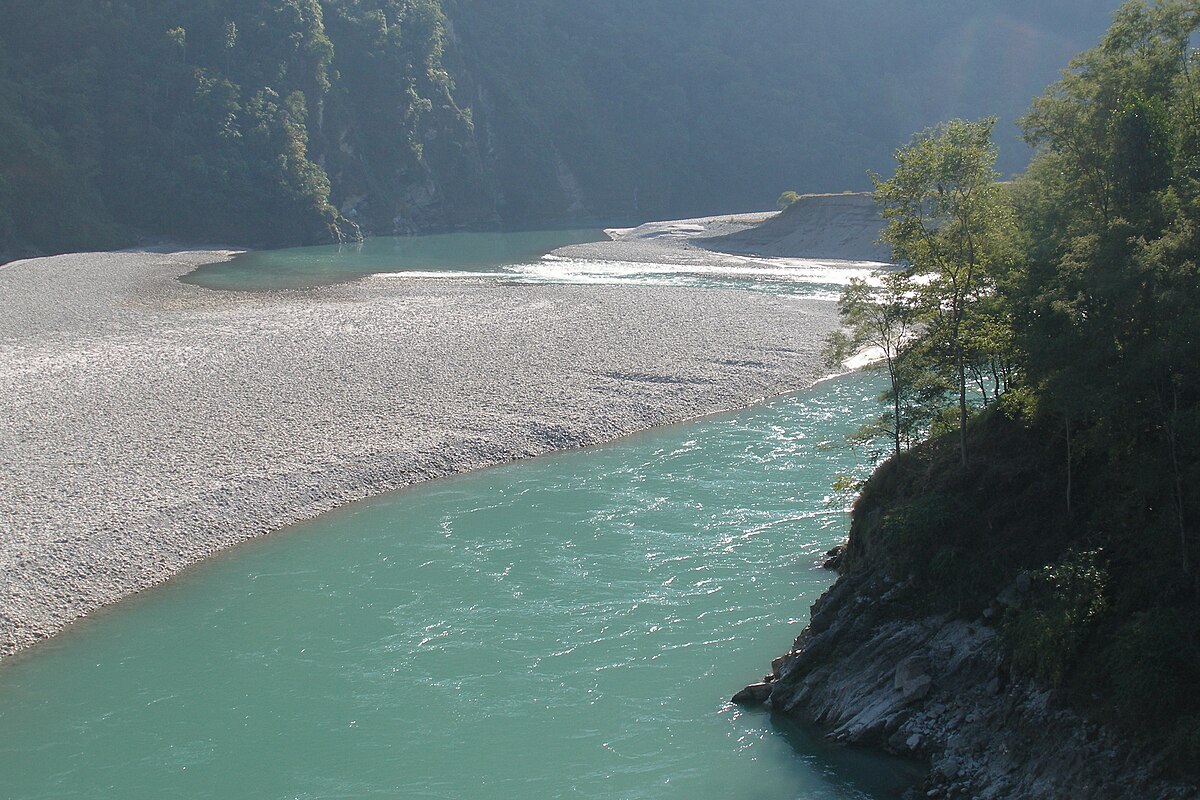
x=835 y=557
x=912 y=679
x=753 y=695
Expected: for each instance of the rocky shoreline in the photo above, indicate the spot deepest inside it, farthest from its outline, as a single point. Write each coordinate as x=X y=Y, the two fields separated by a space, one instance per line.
x=872 y=670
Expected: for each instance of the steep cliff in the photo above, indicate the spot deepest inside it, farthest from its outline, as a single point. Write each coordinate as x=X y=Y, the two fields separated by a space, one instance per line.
x=935 y=639
x=875 y=673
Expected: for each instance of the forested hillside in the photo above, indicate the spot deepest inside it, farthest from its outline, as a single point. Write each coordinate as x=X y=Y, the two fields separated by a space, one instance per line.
x=224 y=120
x=677 y=107
x=1046 y=332
x=293 y=121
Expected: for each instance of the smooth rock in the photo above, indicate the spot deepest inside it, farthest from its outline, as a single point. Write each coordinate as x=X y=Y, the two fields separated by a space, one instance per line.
x=753 y=695
x=912 y=678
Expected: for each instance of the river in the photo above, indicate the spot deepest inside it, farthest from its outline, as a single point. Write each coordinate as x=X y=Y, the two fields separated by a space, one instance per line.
x=568 y=626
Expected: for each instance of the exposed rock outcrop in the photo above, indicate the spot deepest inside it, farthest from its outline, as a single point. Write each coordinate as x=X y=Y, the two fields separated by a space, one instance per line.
x=873 y=671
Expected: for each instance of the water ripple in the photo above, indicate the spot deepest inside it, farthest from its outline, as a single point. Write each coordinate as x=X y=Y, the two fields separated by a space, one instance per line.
x=570 y=626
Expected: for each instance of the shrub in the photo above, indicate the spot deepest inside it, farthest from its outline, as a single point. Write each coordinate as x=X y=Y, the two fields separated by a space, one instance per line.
x=1067 y=598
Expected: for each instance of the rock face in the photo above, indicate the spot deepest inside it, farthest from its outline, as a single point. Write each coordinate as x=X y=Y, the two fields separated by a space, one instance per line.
x=874 y=672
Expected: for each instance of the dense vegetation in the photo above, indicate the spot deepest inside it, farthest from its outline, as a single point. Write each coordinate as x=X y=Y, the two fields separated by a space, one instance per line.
x=294 y=121
x=677 y=107
x=222 y=119
x=1068 y=304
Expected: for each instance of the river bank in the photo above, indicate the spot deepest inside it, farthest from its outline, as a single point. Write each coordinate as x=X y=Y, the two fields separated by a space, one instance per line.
x=151 y=423
x=873 y=673
x=429 y=641
x=921 y=654
x=837 y=229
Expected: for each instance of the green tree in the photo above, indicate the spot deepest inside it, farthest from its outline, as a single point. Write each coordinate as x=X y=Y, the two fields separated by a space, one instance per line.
x=948 y=225
x=1078 y=285
x=230 y=42
x=881 y=321
x=1107 y=319
x=1110 y=323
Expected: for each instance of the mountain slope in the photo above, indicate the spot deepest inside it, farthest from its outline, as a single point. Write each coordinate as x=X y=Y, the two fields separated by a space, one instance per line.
x=308 y=120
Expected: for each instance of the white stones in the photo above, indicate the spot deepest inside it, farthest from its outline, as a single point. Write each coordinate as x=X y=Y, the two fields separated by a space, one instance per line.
x=148 y=423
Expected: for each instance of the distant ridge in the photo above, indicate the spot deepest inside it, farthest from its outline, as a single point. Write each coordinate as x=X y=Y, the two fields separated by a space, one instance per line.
x=842 y=226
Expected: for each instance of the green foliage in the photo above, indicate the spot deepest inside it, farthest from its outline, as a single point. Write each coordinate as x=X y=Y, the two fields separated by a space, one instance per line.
x=1066 y=602
x=42 y=198
x=883 y=323
x=1109 y=297
x=786 y=199
x=687 y=107
x=426 y=114
x=961 y=534
x=948 y=223
x=846 y=484
x=1151 y=667
x=224 y=120
x=1084 y=474
x=939 y=325
x=1153 y=657
x=917 y=528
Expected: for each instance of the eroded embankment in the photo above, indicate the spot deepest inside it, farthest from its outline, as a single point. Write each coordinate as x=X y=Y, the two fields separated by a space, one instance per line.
x=843 y=226
x=148 y=424
x=873 y=673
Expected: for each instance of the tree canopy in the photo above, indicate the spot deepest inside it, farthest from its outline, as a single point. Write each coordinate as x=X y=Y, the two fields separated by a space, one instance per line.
x=1077 y=287
x=948 y=227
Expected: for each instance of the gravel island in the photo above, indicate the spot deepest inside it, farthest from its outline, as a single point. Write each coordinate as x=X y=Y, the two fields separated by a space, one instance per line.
x=146 y=424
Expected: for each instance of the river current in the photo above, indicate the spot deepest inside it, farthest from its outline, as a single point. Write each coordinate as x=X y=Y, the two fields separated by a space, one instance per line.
x=568 y=626
x=522 y=257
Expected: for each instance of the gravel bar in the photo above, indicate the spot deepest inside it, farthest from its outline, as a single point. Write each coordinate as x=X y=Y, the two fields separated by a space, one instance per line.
x=146 y=424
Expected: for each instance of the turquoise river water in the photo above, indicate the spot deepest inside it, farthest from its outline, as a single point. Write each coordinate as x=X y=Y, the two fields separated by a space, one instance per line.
x=476 y=254
x=520 y=257
x=565 y=627
x=569 y=626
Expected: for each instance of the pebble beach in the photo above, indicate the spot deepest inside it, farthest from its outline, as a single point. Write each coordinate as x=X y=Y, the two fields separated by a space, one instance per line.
x=146 y=424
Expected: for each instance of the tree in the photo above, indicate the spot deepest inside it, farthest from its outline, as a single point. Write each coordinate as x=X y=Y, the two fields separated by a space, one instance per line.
x=880 y=321
x=230 y=42
x=1111 y=326
x=948 y=224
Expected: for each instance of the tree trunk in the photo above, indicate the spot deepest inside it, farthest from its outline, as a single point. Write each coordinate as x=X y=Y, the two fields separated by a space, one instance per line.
x=1067 y=418
x=895 y=405
x=1172 y=441
x=962 y=406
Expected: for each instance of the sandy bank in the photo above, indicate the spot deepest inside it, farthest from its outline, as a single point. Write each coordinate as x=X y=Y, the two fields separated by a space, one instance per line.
x=681 y=242
x=837 y=226
x=148 y=423
x=830 y=228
